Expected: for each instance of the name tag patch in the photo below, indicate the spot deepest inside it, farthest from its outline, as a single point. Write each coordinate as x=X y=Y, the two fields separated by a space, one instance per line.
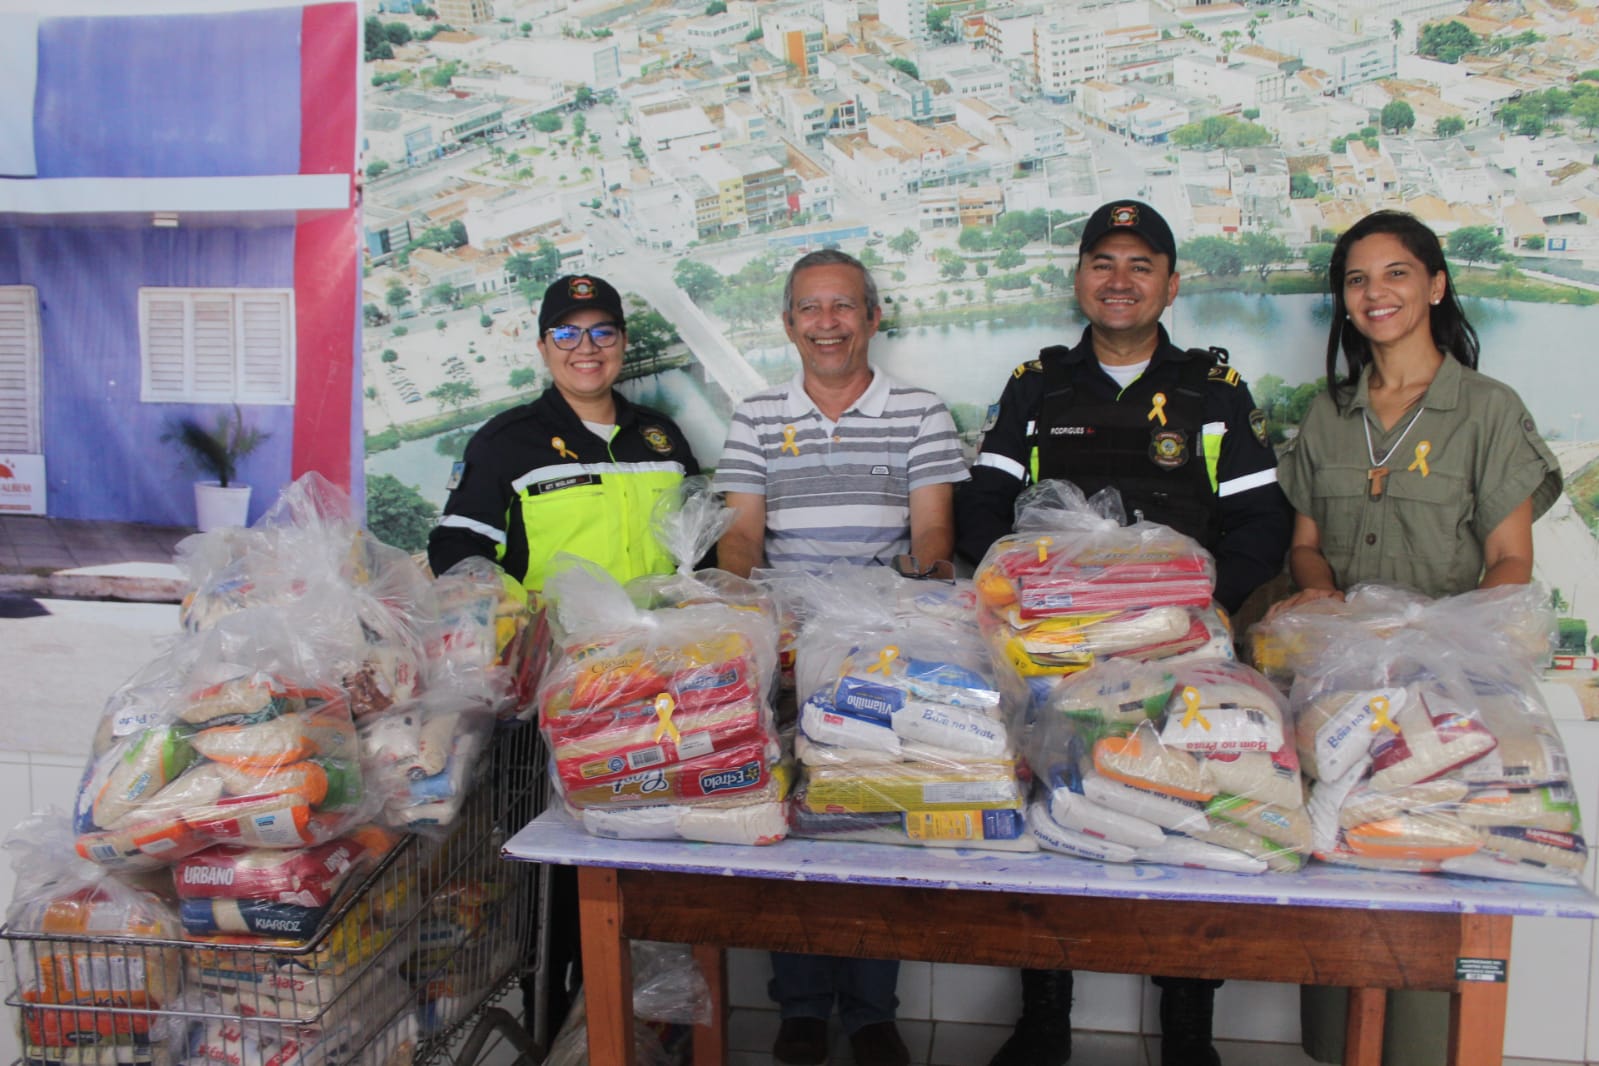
x=538 y=488
x=1071 y=431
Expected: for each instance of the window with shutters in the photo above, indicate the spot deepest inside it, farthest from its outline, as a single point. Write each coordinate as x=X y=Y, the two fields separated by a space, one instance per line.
x=19 y=370
x=217 y=345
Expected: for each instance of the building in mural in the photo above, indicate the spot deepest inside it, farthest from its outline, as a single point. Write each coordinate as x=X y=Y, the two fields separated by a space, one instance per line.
x=178 y=224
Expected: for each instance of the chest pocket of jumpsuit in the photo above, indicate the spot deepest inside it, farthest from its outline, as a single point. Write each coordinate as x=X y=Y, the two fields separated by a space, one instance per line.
x=1429 y=517
x=578 y=518
x=1339 y=501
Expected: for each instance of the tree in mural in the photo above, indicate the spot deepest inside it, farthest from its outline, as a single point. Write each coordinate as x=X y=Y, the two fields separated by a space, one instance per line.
x=396 y=513
x=1398 y=116
x=699 y=281
x=1476 y=244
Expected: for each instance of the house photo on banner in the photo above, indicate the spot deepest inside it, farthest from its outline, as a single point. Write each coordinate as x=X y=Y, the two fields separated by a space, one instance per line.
x=178 y=221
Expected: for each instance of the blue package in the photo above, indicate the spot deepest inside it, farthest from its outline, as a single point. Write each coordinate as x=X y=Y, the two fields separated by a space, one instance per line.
x=871 y=700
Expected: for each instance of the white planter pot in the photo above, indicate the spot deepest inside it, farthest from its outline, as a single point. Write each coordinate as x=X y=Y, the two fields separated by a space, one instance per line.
x=216 y=507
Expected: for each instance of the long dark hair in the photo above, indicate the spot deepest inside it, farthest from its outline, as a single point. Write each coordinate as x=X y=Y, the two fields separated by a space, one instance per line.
x=1450 y=330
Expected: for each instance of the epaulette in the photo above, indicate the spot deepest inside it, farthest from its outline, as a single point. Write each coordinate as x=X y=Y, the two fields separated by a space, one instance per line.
x=1224 y=373
x=1035 y=365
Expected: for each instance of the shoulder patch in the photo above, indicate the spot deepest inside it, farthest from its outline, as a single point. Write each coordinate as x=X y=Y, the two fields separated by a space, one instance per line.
x=1035 y=365
x=991 y=419
x=457 y=472
x=1257 y=425
x=1224 y=373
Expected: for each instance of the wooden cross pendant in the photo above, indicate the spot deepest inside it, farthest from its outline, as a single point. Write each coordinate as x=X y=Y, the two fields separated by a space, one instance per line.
x=1375 y=475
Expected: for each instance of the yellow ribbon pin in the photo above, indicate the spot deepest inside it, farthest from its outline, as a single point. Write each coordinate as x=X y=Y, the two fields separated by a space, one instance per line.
x=559 y=444
x=788 y=441
x=1043 y=548
x=885 y=661
x=1157 y=408
x=1379 y=708
x=664 y=706
x=1422 y=451
x=1191 y=700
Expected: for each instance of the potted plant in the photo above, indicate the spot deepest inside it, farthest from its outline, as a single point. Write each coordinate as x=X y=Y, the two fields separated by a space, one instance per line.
x=217 y=451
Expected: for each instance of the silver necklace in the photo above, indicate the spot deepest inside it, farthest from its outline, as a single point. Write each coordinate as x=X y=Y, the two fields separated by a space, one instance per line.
x=1379 y=467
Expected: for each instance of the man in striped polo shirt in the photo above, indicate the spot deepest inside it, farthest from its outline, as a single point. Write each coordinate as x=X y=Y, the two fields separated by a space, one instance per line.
x=841 y=464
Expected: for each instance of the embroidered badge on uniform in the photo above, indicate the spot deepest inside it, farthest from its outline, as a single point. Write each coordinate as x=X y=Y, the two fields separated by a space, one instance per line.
x=657 y=439
x=991 y=419
x=1031 y=364
x=1168 y=449
x=457 y=472
x=581 y=288
x=1257 y=425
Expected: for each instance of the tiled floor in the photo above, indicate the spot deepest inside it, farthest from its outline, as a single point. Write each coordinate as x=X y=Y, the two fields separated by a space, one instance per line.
x=38 y=545
x=750 y=1034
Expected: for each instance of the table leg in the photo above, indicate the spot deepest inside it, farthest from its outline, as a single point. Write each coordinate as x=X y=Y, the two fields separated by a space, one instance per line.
x=710 y=1041
x=607 y=967
x=1477 y=1008
x=1363 y=1028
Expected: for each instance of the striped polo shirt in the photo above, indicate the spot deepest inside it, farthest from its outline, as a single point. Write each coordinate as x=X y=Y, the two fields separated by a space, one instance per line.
x=839 y=491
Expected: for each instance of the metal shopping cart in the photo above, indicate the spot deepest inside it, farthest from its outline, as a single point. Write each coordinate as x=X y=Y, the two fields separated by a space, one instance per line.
x=408 y=967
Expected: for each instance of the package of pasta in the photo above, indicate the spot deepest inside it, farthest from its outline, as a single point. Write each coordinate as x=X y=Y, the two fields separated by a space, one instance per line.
x=1003 y=829
x=1071 y=556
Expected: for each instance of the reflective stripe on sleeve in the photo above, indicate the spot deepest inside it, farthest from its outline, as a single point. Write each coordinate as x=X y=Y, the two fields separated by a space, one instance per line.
x=1003 y=464
x=1247 y=482
x=457 y=521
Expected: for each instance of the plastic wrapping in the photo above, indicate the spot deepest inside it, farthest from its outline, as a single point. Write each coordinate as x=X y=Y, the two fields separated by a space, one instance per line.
x=903 y=734
x=658 y=696
x=1073 y=587
x=57 y=892
x=235 y=736
x=420 y=759
x=1511 y=623
x=1431 y=757
x=1189 y=764
x=485 y=640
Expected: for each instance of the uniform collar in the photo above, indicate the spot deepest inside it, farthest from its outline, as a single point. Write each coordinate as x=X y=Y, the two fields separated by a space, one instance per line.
x=797 y=403
x=626 y=414
x=1442 y=395
x=1164 y=349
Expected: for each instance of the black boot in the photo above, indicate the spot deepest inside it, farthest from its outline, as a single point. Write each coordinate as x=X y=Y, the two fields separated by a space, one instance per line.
x=1043 y=1035
x=1186 y=1007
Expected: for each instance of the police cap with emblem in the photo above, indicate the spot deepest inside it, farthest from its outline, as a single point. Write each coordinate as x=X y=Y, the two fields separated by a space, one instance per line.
x=579 y=292
x=1134 y=217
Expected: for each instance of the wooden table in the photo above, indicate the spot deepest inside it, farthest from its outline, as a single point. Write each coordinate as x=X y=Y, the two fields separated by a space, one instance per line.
x=1325 y=926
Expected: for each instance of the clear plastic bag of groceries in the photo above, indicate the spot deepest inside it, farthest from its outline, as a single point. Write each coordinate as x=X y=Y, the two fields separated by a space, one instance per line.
x=1428 y=757
x=1289 y=641
x=1074 y=586
x=238 y=735
x=900 y=716
x=1187 y=764
x=657 y=708
x=59 y=894
x=688 y=523
x=1505 y=624
x=309 y=538
x=486 y=636
x=421 y=759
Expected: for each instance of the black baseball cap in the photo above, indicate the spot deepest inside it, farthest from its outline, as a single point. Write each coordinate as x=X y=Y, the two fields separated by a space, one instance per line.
x=1135 y=217
x=579 y=292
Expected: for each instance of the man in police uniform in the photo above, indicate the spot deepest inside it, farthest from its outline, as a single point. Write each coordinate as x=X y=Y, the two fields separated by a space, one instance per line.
x=579 y=469
x=1179 y=435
